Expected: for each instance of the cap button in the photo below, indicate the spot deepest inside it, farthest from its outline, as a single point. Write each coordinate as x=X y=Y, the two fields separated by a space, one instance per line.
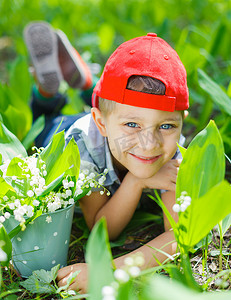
x=152 y=34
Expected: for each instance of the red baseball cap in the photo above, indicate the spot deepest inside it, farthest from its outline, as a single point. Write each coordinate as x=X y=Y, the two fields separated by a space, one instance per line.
x=146 y=56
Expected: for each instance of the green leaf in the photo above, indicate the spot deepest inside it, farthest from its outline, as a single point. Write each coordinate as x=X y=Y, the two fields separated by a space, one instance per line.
x=99 y=259
x=69 y=161
x=225 y=224
x=201 y=175
x=35 y=130
x=40 y=282
x=184 y=273
x=159 y=287
x=14 y=169
x=5 y=245
x=182 y=150
x=10 y=146
x=18 y=121
x=4 y=187
x=20 y=79
x=53 y=150
x=204 y=156
x=215 y=91
x=20 y=186
x=204 y=213
x=52 y=186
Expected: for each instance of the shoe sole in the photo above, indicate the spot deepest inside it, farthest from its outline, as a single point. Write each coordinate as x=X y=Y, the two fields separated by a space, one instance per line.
x=42 y=45
x=74 y=69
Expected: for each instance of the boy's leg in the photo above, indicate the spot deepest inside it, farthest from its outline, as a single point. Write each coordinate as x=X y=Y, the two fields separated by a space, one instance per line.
x=53 y=59
x=75 y=71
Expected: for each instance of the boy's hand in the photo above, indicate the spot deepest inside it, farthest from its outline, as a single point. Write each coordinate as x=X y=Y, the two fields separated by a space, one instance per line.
x=165 y=178
x=80 y=282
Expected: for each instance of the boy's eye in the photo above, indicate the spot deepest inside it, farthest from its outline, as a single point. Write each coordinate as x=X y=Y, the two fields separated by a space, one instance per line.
x=132 y=124
x=166 y=126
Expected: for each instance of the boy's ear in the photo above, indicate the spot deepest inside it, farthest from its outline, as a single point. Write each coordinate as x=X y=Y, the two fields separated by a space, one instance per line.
x=99 y=120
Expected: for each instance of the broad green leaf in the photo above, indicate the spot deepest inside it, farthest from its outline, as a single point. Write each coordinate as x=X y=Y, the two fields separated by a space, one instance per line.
x=68 y=160
x=10 y=146
x=5 y=245
x=20 y=186
x=126 y=291
x=215 y=91
x=40 y=282
x=184 y=274
x=52 y=185
x=203 y=158
x=18 y=121
x=35 y=130
x=225 y=224
x=182 y=150
x=14 y=169
x=47 y=276
x=204 y=213
x=161 y=288
x=20 y=79
x=53 y=150
x=14 y=99
x=99 y=259
x=4 y=187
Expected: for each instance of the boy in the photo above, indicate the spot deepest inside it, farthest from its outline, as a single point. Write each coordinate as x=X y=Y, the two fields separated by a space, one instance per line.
x=133 y=130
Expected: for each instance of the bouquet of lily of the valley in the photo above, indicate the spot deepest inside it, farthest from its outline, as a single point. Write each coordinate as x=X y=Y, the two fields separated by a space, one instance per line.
x=46 y=181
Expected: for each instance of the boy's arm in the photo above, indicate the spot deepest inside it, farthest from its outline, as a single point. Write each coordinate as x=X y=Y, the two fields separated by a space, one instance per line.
x=119 y=209
x=164 y=242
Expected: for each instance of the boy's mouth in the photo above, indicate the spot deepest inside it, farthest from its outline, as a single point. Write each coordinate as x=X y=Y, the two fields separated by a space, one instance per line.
x=145 y=159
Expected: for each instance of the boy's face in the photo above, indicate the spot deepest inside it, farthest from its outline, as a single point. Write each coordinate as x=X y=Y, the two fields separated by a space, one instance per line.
x=141 y=140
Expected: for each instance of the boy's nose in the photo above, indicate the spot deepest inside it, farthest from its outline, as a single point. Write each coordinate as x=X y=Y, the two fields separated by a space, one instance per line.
x=150 y=139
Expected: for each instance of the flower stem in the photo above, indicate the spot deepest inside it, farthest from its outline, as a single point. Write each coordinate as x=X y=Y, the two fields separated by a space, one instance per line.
x=221 y=243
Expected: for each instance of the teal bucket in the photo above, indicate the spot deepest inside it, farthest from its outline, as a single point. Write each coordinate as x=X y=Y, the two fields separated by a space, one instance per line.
x=42 y=245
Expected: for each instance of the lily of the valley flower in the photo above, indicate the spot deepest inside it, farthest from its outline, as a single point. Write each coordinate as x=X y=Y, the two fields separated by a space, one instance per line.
x=182 y=202
x=32 y=170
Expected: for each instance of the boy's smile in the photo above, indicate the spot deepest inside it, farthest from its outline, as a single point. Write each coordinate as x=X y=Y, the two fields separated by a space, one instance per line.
x=141 y=140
